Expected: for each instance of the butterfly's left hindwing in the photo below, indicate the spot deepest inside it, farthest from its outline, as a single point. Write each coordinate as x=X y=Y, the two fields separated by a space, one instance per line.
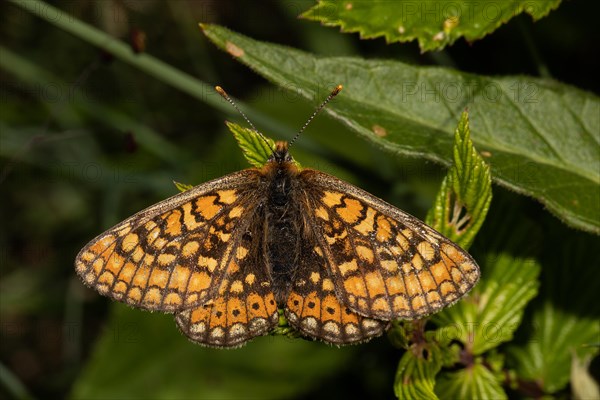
x=244 y=305
x=175 y=254
x=244 y=308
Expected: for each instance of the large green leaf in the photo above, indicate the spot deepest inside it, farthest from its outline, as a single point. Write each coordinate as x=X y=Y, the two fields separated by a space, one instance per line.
x=142 y=355
x=434 y=23
x=563 y=322
x=540 y=137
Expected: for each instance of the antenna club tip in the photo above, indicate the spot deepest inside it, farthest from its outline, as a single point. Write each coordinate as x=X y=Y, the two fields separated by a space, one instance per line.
x=220 y=90
x=337 y=89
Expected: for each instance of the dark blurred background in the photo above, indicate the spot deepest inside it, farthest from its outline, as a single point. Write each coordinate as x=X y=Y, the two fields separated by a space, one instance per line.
x=71 y=167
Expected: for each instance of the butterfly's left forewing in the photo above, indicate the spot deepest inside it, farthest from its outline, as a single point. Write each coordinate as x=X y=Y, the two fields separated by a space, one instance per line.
x=175 y=254
x=385 y=264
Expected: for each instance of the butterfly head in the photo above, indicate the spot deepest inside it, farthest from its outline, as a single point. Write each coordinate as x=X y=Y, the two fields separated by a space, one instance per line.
x=281 y=153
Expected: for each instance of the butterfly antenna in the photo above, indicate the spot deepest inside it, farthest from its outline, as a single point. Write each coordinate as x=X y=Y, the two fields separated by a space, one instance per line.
x=224 y=94
x=334 y=93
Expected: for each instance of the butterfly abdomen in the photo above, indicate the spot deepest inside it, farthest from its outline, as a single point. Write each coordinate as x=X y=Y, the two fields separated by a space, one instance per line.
x=283 y=227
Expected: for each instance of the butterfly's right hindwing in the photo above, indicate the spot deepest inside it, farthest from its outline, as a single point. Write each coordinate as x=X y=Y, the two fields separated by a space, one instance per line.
x=313 y=308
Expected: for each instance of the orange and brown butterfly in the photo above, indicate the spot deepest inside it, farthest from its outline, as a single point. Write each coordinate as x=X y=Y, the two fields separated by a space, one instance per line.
x=224 y=256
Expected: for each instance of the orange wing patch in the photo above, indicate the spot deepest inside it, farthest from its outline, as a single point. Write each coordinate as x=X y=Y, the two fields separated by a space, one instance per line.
x=229 y=321
x=245 y=308
x=314 y=309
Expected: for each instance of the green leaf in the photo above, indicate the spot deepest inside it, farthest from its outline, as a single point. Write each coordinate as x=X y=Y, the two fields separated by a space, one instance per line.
x=563 y=321
x=540 y=137
x=139 y=351
x=434 y=23
x=182 y=187
x=415 y=376
x=494 y=309
x=475 y=382
x=283 y=328
x=466 y=192
x=255 y=149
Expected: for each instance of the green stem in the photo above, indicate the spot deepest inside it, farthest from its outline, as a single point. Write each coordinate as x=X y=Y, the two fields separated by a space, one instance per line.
x=33 y=75
x=11 y=383
x=143 y=61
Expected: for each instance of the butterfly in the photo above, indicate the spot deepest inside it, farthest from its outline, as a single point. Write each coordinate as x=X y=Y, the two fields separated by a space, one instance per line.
x=225 y=256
